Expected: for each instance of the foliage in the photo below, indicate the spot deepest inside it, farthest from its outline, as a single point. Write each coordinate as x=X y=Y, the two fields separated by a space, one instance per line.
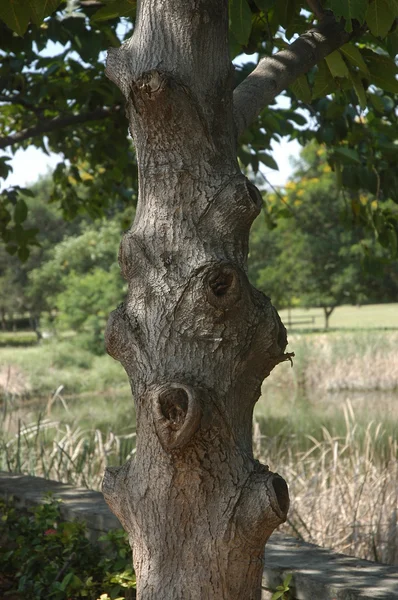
x=54 y=94
x=14 y=338
x=313 y=257
x=52 y=82
x=85 y=304
x=46 y=557
x=47 y=220
x=282 y=591
x=81 y=282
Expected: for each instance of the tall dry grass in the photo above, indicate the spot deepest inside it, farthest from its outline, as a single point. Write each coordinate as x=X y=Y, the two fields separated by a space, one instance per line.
x=339 y=361
x=344 y=490
x=55 y=450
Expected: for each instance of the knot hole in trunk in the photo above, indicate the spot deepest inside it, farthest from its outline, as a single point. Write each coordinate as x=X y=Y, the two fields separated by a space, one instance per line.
x=281 y=493
x=223 y=286
x=177 y=415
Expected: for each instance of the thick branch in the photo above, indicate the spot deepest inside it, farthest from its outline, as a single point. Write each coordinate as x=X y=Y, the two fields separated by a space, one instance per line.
x=274 y=74
x=49 y=125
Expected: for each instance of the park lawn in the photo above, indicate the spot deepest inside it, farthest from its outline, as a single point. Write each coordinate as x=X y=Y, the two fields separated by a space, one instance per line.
x=369 y=316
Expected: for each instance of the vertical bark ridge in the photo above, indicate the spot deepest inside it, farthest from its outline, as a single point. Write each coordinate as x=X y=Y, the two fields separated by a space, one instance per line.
x=195 y=338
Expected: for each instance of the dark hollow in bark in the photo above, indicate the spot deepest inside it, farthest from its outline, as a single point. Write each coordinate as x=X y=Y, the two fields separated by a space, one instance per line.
x=194 y=336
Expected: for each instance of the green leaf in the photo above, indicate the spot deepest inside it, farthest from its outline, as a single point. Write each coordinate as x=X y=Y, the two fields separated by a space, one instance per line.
x=383 y=71
x=285 y=10
x=359 y=90
x=377 y=102
x=66 y=580
x=354 y=56
x=240 y=20
x=41 y=8
x=392 y=43
x=287 y=580
x=392 y=239
x=267 y=160
x=347 y=154
x=336 y=64
x=115 y=9
x=265 y=5
x=16 y=15
x=380 y=17
x=323 y=82
x=20 y=211
x=296 y=117
x=348 y=10
x=277 y=595
x=301 y=89
x=23 y=253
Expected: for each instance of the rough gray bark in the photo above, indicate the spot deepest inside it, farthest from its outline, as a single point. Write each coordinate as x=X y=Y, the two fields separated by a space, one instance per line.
x=195 y=338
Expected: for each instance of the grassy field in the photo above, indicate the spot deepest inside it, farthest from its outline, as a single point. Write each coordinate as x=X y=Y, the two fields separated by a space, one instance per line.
x=371 y=316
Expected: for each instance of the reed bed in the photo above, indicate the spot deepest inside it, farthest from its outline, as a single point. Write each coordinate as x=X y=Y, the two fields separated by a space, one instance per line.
x=55 y=450
x=339 y=361
x=343 y=489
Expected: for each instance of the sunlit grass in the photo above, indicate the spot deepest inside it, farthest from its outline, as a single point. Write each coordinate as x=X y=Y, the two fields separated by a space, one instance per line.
x=368 y=316
x=44 y=367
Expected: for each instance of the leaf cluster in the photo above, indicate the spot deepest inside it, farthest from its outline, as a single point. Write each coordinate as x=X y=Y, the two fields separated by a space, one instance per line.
x=43 y=556
x=54 y=94
x=53 y=84
x=319 y=252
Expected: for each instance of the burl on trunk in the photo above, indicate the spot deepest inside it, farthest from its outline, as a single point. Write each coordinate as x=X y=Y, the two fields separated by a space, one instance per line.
x=194 y=336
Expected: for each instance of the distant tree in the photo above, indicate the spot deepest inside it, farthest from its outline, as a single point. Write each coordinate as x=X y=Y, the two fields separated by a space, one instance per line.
x=316 y=257
x=85 y=302
x=66 y=279
x=45 y=220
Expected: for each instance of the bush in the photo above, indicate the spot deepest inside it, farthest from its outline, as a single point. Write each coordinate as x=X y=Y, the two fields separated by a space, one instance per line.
x=42 y=556
x=18 y=338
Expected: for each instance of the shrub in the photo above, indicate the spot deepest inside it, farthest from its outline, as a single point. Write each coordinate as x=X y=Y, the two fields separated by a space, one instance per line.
x=42 y=556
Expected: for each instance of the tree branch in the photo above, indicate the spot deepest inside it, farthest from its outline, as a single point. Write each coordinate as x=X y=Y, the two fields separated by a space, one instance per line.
x=275 y=73
x=49 y=125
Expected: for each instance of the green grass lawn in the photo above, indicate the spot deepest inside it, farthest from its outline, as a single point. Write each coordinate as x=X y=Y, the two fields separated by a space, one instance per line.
x=370 y=316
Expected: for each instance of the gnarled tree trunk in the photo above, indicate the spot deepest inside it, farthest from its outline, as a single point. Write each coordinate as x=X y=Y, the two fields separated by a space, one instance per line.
x=195 y=338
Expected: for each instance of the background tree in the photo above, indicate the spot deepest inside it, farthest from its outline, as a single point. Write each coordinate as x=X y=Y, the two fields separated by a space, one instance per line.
x=316 y=256
x=195 y=338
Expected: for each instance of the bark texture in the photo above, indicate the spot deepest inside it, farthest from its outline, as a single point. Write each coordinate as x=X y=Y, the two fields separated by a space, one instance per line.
x=195 y=338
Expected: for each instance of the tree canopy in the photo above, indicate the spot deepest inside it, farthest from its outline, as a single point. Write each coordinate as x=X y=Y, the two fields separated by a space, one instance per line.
x=343 y=92
x=315 y=256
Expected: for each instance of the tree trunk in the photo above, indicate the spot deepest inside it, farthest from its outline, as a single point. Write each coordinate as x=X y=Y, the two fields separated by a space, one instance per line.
x=195 y=338
x=327 y=311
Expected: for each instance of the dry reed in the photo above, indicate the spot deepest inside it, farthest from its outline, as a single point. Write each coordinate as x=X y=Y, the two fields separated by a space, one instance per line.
x=344 y=490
